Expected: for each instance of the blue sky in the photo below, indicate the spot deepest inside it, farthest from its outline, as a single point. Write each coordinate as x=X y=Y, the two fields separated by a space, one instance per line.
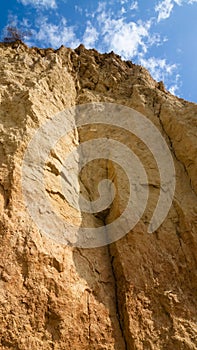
x=159 y=34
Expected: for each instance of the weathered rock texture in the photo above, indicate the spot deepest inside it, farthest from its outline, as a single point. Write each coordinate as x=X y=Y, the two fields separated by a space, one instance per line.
x=141 y=291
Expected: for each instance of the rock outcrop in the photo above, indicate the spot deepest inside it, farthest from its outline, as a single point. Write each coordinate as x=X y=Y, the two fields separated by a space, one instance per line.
x=139 y=292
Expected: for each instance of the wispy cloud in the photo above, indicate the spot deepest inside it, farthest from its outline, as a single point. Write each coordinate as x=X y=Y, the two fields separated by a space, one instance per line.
x=78 y=9
x=165 y=7
x=102 y=6
x=134 y=5
x=40 y=3
x=123 y=2
x=90 y=36
x=128 y=39
x=159 y=68
x=56 y=35
x=175 y=88
x=125 y=7
x=12 y=20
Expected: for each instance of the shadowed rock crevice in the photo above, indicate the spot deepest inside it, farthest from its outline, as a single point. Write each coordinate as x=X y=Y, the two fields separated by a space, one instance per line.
x=120 y=317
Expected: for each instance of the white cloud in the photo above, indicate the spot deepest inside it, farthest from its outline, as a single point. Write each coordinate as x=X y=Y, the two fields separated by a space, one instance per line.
x=40 y=3
x=101 y=6
x=78 y=9
x=90 y=36
x=126 y=39
x=176 y=85
x=134 y=5
x=160 y=69
x=123 y=2
x=12 y=20
x=174 y=89
x=54 y=35
x=165 y=7
x=122 y=10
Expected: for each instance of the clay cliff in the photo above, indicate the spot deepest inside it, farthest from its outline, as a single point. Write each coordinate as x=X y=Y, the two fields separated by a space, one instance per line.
x=140 y=291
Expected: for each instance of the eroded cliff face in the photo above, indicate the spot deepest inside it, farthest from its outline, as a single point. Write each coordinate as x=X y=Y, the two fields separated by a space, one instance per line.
x=139 y=292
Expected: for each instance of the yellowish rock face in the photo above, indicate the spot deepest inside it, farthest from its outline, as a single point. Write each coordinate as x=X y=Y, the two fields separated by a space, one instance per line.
x=139 y=292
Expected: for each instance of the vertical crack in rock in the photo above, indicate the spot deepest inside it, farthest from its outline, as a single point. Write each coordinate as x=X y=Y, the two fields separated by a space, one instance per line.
x=120 y=319
x=118 y=312
x=102 y=218
x=172 y=147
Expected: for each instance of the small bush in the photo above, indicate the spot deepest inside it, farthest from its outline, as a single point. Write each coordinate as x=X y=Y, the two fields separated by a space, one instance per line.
x=13 y=34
